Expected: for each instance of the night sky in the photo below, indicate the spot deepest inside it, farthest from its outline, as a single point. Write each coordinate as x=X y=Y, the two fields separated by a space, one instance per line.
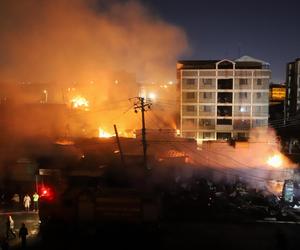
x=265 y=29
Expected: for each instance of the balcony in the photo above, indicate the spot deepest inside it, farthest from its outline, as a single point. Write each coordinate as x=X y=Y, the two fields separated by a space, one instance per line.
x=207 y=97
x=189 y=124
x=206 y=83
x=242 y=111
x=261 y=84
x=242 y=98
x=189 y=97
x=241 y=124
x=206 y=110
x=207 y=124
x=224 y=110
x=261 y=97
x=225 y=73
x=224 y=97
x=242 y=83
x=189 y=83
x=260 y=111
x=225 y=83
x=189 y=110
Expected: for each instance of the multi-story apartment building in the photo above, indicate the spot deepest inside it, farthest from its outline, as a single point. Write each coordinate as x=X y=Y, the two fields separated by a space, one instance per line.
x=222 y=99
x=292 y=89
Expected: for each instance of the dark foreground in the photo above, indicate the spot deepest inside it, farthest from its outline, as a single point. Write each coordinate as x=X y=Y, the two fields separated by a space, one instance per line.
x=173 y=235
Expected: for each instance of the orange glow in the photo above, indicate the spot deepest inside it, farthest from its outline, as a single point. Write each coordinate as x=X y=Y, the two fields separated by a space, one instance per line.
x=275 y=186
x=275 y=161
x=79 y=102
x=177 y=132
x=104 y=134
x=64 y=142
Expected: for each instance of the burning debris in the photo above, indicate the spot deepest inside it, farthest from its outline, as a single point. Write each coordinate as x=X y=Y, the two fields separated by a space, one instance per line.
x=79 y=102
x=275 y=161
x=104 y=134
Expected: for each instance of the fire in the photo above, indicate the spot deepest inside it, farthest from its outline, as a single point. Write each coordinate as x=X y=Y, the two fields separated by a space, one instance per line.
x=104 y=134
x=275 y=161
x=80 y=103
x=275 y=186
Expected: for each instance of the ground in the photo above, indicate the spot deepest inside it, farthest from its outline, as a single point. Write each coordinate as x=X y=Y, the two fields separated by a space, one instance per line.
x=264 y=234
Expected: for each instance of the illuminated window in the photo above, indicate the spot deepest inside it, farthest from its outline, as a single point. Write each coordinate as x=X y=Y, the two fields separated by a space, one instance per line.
x=243 y=109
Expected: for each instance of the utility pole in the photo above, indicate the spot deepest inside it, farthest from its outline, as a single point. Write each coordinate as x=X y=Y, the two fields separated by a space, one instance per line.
x=143 y=106
x=119 y=145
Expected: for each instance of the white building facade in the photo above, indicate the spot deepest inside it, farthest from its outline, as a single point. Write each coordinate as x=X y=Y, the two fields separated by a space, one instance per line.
x=223 y=99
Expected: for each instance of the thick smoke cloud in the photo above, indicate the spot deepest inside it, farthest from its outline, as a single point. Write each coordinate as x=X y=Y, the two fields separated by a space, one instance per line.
x=66 y=41
x=69 y=44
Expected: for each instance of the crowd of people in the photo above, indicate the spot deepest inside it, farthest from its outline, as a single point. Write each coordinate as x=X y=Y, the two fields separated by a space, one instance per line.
x=11 y=234
x=16 y=202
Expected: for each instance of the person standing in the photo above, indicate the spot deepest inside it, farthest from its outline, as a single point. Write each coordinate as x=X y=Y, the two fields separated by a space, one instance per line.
x=23 y=234
x=35 y=198
x=10 y=224
x=16 y=201
x=27 y=201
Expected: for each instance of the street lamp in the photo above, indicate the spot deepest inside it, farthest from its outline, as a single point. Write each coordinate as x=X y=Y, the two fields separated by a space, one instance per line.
x=46 y=95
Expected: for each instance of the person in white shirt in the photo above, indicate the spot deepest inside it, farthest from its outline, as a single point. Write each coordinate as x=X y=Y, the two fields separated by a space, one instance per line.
x=27 y=201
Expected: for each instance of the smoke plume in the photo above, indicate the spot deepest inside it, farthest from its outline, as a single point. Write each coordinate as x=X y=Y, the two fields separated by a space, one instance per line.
x=67 y=41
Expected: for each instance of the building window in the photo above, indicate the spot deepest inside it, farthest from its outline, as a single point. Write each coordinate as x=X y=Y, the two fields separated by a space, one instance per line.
x=189 y=134
x=190 y=95
x=258 y=95
x=189 y=73
x=207 y=95
x=224 y=97
x=207 y=108
x=223 y=136
x=190 y=108
x=243 y=109
x=189 y=81
x=259 y=123
x=206 y=122
x=224 y=122
x=243 y=95
x=208 y=135
x=259 y=81
x=243 y=81
x=207 y=81
x=189 y=124
x=224 y=110
x=241 y=124
x=225 y=83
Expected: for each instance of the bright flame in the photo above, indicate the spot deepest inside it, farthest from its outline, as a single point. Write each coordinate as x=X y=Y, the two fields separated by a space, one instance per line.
x=275 y=161
x=104 y=134
x=152 y=96
x=178 y=132
x=80 y=102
